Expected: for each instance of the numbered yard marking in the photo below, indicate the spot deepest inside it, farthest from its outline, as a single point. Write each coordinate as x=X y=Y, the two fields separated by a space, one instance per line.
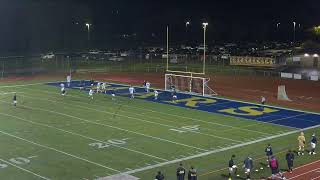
x=17 y=161
x=185 y=129
x=111 y=142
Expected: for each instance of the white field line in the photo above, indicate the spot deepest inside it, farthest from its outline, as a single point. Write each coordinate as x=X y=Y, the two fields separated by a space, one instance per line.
x=303 y=173
x=110 y=126
x=216 y=151
x=169 y=114
x=25 y=170
x=22 y=85
x=274 y=121
x=59 y=151
x=130 y=117
x=80 y=135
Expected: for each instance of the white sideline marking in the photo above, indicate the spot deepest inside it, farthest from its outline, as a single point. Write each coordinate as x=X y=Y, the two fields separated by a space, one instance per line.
x=7 y=93
x=56 y=150
x=217 y=151
x=129 y=117
x=25 y=170
x=83 y=136
x=22 y=85
x=110 y=126
x=174 y=115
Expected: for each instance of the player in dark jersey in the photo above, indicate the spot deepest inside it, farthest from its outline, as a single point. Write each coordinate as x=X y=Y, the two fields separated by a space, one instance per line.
x=192 y=174
x=181 y=172
x=159 y=176
x=15 y=100
x=269 y=153
x=232 y=167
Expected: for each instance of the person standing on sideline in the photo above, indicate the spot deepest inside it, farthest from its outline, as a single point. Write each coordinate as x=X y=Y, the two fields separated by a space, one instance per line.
x=156 y=94
x=192 y=174
x=269 y=153
x=15 y=100
x=274 y=165
x=232 y=167
x=290 y=158
x=313 y=144
x=159 y=176
x=248 y=166
x=301 y=143
x=181 y=172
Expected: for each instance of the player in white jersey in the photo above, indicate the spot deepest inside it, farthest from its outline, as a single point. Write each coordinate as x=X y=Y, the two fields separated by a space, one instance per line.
x=91 y=94
x=98 y=87
x=68 y=80
x=131 y=92
x=148 y=86
x=103 y=87
x=156 y=94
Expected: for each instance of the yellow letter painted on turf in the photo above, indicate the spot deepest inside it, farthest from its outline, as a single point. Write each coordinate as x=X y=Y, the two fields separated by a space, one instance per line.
x=194 y=101
x=249 y=111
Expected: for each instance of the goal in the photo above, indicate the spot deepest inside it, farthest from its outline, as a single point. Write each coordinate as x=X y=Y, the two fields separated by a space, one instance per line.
x=189 y=83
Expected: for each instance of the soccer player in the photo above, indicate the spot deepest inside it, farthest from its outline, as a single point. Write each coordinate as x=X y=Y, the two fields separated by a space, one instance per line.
x=290 y=158
x=313 y=144
x=156 y=94
x=98 y=87
x=68 y=80
x=181 y=172
x=131 y=92
x=159 y=176
x=15 y=100
x=174 y=96
x=263 y=101
x=103 y=87
x=91 y=94
x=232 y=167
x=192 y=174
x=269 y=153
x=301 y=143
x=148 y=86
x=248 y=166
x=62 y=90
x=113 y=94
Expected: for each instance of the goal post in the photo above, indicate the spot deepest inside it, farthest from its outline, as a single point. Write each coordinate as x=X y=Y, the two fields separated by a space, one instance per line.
x=188 y=84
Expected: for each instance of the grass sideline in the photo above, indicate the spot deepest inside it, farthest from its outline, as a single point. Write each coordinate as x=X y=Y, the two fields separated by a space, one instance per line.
x=74 y=126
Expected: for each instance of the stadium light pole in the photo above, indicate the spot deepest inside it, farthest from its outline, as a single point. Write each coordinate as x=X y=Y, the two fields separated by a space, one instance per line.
x=88 y=28
x=278 y=25
x=167 y=48
x=294 y=31
x=205 y=24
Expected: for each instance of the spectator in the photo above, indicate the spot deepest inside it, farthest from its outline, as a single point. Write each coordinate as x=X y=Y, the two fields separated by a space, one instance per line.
x=159 y=176
x=290 y=158
x=274 y=165
x=192 y=174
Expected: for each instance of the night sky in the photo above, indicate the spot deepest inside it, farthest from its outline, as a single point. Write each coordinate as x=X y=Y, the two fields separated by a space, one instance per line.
x=42 y=25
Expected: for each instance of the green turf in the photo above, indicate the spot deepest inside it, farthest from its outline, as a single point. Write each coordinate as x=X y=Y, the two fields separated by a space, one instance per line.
x=69 y=137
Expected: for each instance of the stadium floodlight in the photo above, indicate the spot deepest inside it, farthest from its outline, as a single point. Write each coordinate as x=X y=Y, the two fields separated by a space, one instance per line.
x=187 y=23
x=278 y=25
x=306 y=55
x=315 y=55
x=294 y=31
x=205 y=24
x=88 y=27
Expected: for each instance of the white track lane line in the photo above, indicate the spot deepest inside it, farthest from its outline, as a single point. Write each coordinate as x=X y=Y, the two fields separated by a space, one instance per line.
x=25 y=170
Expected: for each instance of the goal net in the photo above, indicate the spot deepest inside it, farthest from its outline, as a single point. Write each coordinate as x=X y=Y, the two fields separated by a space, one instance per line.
x=188 y=83
x=282 y=94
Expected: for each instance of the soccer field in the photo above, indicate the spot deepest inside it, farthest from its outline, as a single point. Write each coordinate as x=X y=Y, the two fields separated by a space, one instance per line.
x=48 y=136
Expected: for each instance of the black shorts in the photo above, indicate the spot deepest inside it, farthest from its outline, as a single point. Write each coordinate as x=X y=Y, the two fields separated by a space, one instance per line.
x=274 y=170
x=290 y=164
